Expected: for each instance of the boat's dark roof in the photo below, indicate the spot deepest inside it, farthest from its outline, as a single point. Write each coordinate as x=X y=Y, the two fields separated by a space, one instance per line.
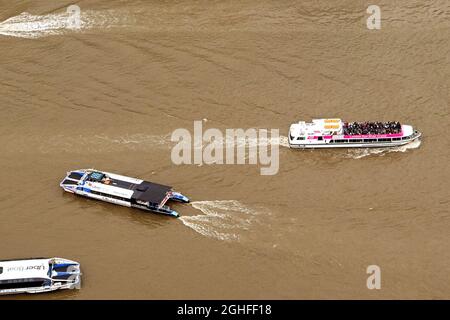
x=150 y=192
x=145 y=191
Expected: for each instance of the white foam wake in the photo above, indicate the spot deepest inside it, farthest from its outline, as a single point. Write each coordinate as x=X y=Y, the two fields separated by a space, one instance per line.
x=26 y=25
x=245 y=142
x=283 y=141
x=220 y=219
x=93 y=144
x=361 y=153
x=133 y=140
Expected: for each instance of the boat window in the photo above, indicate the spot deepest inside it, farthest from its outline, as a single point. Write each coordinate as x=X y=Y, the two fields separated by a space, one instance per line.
x=1 y=270
x=301 y=138
x=109 y=195
x=75 y=175
x=22 y=283
x=96 y=176
x=50 y=269
x=67 y=181
x=396 y=139
x=320 y=138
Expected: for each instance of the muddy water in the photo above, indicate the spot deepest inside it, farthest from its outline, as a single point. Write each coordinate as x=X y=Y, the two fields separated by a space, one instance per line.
x=109 y=95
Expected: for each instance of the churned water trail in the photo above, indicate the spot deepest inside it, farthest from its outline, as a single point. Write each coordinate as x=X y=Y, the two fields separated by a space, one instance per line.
x=88 y=143
x=26 y=25
x=221 y=219
x=109 y=94
x=365 y=152
x=245 y=141
x=283 y=142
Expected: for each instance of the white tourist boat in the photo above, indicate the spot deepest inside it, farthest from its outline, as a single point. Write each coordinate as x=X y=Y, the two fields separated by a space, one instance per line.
x=122 y=190
x=38 y=275
x=335 y=133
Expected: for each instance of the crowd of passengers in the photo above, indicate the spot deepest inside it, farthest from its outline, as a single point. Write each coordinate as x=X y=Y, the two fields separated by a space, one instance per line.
x=354 y=128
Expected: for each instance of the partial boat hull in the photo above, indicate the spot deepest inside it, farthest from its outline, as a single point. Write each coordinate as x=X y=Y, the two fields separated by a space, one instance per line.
x=38 y=275
x=168 y=212
x=352 y=145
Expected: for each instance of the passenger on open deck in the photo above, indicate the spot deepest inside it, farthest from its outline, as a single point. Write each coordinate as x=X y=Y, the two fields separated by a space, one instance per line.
x=358 y=128
x=106 y=180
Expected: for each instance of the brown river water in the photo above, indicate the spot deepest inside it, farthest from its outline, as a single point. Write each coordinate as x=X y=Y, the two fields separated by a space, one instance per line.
x=109 y=95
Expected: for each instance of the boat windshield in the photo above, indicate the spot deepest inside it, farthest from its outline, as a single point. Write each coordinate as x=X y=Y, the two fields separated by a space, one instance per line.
x=23 y=283
x=96 y=176
x=50 y=269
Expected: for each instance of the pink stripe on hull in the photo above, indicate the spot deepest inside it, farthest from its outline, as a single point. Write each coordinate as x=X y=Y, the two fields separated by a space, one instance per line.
x=391 y=135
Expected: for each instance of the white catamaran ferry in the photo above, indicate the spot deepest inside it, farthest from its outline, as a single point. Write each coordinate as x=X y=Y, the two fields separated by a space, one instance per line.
x=122 y=190
x=38 y=275
x=334 y=133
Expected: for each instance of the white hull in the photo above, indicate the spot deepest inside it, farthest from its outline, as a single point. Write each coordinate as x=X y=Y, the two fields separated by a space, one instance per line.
x=38 y=275
x=51 y=288
x=102 y=198
x=351 y=145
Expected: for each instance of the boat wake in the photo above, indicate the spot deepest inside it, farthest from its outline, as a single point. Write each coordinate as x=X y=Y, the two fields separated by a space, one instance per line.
x=281 y=141
x=136 y=141
x=221 y=219
x=29 y=26
x=104 y=143
x=92 y=144
x=362 y=153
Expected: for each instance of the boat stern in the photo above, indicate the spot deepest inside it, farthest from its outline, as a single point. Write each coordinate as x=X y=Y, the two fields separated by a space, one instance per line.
x=176 y=196
x=173 y=213
x=165 y=210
